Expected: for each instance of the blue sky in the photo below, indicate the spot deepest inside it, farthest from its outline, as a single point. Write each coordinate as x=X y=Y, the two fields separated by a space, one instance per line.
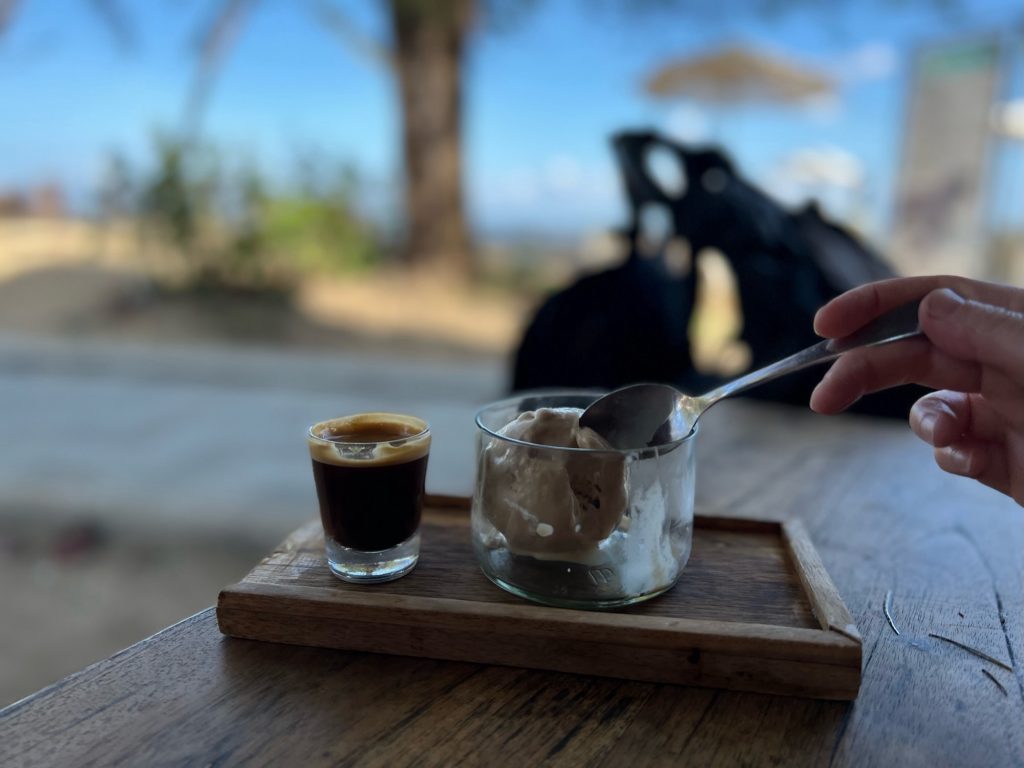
x=542 y=96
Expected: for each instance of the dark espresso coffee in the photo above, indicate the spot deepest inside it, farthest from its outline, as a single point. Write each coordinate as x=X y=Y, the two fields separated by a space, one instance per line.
x=369 y=477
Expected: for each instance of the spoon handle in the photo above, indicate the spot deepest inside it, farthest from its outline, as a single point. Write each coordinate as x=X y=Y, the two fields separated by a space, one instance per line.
x=895 y=325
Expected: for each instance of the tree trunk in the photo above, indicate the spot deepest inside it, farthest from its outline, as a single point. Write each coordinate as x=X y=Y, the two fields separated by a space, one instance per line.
x=429 y=40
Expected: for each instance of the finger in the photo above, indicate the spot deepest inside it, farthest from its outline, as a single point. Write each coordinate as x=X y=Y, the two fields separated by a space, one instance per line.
x=943 y=418
x=853 y=309
x=982 y=460
x=867 y=370
x=976 y=331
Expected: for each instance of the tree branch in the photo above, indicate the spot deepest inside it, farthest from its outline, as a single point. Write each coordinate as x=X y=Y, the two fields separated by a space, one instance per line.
x=7 y=9
x=336 y=21
x=116 y=21
x=216 y=38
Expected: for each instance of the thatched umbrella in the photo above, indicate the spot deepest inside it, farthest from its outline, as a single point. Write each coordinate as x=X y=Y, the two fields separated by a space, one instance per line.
x=734 y=76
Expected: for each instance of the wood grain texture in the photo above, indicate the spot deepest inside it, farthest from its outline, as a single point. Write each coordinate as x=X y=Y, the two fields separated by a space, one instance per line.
x=881 y=517
x=734 y=573
x=739 y=571
x=738 y=618
x=828 y=606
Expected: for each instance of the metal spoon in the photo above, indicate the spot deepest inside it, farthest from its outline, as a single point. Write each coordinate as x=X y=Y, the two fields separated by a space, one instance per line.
x=643 y=415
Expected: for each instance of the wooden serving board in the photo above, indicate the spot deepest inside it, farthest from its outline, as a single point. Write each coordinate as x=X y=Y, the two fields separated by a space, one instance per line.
x=754 y=610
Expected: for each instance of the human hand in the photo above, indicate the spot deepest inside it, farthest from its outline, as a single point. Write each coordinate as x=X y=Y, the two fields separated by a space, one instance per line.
x=972 y=351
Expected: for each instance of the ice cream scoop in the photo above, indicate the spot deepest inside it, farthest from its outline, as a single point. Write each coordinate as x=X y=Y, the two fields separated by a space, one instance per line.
x=553 y=504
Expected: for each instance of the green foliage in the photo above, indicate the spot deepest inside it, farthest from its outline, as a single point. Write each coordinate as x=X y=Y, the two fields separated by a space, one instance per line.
x=174 y=196
x=319 y=235
x=232 y=230
x=315 y=224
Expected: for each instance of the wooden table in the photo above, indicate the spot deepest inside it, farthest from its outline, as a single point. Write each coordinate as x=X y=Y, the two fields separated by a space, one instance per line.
x=883 y=519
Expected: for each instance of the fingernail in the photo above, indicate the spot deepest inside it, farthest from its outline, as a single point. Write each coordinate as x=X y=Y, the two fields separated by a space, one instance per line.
x=943 y=303
x=814 y=392
x=815 y=324
x=927 y=426
x=958 y=461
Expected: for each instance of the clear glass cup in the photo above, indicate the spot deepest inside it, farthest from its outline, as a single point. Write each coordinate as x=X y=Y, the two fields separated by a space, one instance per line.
x=579 y=527
x=370 y=470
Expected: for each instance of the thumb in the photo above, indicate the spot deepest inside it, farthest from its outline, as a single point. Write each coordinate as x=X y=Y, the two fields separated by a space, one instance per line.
x=974 y=331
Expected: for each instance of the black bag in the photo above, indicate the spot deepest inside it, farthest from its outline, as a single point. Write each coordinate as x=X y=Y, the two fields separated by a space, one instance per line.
x=629 y=323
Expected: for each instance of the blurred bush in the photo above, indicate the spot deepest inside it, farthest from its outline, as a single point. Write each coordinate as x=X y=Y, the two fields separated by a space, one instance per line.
x=214 y=224
x=317 y=228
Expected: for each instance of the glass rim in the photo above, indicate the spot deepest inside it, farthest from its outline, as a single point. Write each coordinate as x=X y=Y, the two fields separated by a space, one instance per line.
x=642 y=452
x=383 y=414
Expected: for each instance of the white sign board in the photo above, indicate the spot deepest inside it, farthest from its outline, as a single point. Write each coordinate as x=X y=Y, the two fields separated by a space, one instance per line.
x=939 y=208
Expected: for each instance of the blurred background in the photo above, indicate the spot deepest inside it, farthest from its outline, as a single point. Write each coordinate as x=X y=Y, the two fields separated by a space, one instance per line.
x=222 y=220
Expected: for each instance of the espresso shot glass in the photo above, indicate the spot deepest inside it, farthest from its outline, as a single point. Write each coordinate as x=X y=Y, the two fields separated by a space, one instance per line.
x=370 y=470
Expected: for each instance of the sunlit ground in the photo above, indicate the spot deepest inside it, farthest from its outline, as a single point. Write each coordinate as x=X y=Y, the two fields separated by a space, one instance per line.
x=73 y=277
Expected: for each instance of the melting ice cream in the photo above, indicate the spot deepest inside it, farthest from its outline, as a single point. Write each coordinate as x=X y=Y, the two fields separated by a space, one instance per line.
x=550 y=504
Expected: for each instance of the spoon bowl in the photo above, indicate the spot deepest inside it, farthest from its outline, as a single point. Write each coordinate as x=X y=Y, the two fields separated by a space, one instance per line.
x=655 y=414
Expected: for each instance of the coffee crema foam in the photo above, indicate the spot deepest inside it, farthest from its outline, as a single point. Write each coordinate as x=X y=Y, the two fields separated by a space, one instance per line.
x=329 y=439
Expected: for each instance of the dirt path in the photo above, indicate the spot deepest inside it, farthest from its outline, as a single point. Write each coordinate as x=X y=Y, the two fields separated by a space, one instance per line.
x=393 y=313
